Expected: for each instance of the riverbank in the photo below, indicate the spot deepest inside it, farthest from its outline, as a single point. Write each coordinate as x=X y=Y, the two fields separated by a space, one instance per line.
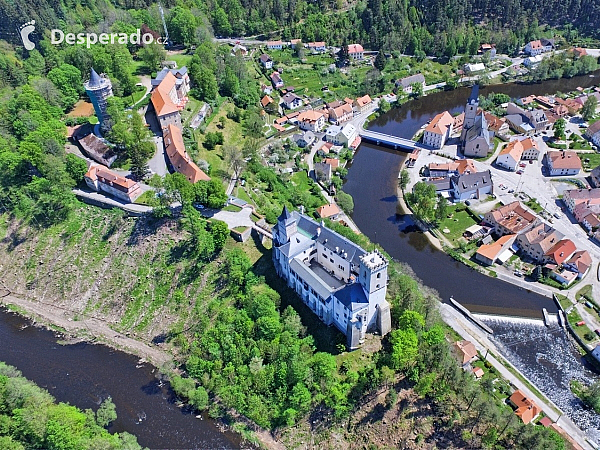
x=92 y=330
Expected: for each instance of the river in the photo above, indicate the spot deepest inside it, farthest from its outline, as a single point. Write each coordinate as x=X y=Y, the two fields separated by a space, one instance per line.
x=84 y=375
x=372 y=182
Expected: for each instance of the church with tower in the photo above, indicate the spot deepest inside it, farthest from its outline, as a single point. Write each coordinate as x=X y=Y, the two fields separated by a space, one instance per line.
x=343 y=284
x=476 y=138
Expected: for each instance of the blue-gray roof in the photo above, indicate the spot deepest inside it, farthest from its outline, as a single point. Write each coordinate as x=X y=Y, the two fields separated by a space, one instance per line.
x=95 y=79
x=352 y=297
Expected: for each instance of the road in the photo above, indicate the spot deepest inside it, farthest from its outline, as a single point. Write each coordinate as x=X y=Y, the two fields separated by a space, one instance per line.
x=469 y=331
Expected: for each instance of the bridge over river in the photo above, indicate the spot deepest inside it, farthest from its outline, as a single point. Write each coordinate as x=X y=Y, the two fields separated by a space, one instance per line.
x=387 y=139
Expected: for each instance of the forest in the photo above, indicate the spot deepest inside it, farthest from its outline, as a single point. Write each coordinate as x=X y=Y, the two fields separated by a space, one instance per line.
x=30 y=418
x=431 y=27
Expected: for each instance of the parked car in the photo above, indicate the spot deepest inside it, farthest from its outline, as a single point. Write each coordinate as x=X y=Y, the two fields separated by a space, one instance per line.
x=518 y=273
x=468 y=203
x=597 y=331
x=557 y=215
x=531 y=161
x=510 y=191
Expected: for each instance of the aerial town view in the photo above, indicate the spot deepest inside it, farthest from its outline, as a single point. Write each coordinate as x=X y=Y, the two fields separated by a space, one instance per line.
x=299 y=225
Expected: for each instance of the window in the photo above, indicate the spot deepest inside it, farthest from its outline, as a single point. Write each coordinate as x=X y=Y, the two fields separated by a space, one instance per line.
x=331 y=259
x=377 y=286
x=379 y=275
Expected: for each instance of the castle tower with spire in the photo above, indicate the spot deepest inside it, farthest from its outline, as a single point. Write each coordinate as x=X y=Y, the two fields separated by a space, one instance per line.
x=98 y=90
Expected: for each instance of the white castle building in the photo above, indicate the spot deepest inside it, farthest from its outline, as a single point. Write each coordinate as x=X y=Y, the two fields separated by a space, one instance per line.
x=338 y=280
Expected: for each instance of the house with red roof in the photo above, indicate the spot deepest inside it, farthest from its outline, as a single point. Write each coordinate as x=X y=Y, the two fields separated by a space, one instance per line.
x=526 y=409
x=356 y=52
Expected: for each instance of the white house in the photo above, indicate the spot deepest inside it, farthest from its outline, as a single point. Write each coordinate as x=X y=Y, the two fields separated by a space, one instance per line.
x=472 y=185
x=291 y=101
x=266 y=61
x=339 y=281
x=593 y=133
x=317 y=47
x=473 y=68
x=276 y=80
x=356 y=52
x=339 y=135
x=539 y=46
x=438 y=130
x=515 y=151
x=532 y=61
x=563 y=163
x=311 y=120
x=406 y=83
x=100 y=179
x=274 y=45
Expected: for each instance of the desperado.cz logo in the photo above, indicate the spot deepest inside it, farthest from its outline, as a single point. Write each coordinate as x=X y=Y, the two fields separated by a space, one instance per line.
x=57 y=37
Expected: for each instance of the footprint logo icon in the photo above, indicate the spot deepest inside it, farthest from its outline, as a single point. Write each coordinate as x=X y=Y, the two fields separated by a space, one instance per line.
x=25 y=30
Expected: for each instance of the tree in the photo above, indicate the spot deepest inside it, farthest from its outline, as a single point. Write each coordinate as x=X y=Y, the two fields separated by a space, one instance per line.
x=417 y=89
x=589 y=107
x=253 y=125
x=423 y=200
x=345 y=201
x=107 y=413
x=343 y=54
x=75 y=167
x=442 y=209
x=152 y=55
x=67 y=79
x=234 y=158
x=404 y=179
x=380 y=60
x=182 y=25
x=559 y=128
x=219 y=231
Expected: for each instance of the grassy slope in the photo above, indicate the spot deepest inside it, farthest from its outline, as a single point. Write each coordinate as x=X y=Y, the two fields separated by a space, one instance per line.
x=100 y=264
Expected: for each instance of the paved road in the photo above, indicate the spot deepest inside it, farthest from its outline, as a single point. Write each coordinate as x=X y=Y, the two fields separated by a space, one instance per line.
x=158 y=163
x=467 y=330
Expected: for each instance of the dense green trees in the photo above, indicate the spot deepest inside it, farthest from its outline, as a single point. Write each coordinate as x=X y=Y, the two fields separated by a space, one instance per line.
x=30 y=418
x=589 y=108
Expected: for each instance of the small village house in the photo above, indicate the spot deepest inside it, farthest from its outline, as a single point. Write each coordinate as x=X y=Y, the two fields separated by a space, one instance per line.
x=266 y=101
x=305 y=139
x=356 y=52
x=513 y=218
x=593 y=133
x=459 y=167
x=274 y=45
x=291 y=101
x=474 y=185
x=466 y=351
x=329 y=211
x=276 y=80
x=340 y=114
x=488 y=48
x=517 y=150
x=563 y=163
x=341 y=135
x=266 y=61
x=362 y=104
x=536 y=242
x=526 y=409
x=317 y=47
x=406 y=83
x=539 y=46
x=500 y=250
x=101 y=179
x=311 y=120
